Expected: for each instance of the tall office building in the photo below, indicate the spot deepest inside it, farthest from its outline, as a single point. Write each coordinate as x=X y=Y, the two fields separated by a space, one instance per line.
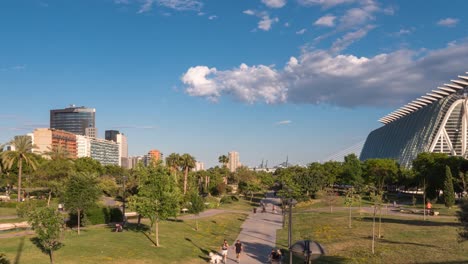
x=77 y=120
x=105 y=151
x=121 y=139
x=234 y=162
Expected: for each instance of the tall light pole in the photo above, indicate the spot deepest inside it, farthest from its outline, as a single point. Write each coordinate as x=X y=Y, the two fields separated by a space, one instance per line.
x=123 y=197
x=290 y=230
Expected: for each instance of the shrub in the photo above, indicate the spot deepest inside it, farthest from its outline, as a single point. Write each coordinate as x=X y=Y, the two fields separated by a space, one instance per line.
x=99 y=215
x=229 y=189
x=213 y=202
x=10 y=204
x=24 y=208
x=226 y=199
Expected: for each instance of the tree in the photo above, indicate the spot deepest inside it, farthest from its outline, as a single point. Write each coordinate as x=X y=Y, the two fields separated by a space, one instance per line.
x=173 y=162
x=197 y=206
x=81 y=193
x=462 y=215
x=224 y=160
x=352 y=171
x=449 y=194
x=22 y=153
x=52 y=174
x=187 y=162
x=157 y=198
x=47 y=223
x=58 y=152
x=350 y=197
x=88 y=165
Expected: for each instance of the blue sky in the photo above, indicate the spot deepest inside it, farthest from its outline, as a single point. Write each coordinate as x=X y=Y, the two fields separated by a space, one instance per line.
x=267 y=78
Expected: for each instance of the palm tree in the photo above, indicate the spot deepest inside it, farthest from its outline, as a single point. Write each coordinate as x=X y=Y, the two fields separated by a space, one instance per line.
x=173 y=162
x=22 y=153
x=223 y=159
x=58 y=152
x=186 y=162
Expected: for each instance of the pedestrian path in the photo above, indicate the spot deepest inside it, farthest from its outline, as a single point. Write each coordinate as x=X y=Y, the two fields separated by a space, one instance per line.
x=258 y=234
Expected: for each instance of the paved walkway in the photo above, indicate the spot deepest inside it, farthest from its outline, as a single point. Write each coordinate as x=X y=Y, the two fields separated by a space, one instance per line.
x=258 y=234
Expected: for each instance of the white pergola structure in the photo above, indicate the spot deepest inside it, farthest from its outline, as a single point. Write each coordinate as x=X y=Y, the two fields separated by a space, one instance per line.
x=429 y=98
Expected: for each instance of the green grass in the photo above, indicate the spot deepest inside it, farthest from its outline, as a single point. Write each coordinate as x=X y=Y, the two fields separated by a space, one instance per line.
x=405 y=239
x=180 y=243
x=12 y=220
x=7 y=211
x=244 y=203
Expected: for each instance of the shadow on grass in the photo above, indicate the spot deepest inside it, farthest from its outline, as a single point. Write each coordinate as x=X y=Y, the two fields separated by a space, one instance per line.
x=19 y=251
x=204 y=251
x=445 y=262
x=410 y=222
x=407 y=243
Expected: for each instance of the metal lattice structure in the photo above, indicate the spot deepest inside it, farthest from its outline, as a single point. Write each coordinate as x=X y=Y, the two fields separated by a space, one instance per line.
x=435 y=122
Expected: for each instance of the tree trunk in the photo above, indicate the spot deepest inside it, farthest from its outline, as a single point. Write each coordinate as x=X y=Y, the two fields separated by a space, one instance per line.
x=139 y=220
x=380 y=220
x=51 y=256
x=48 y=199
x=185 y=180
x=156 y=230
x=349 y=225
x=373 y=231
x=424 y=199
x=196 y=224
x=78 y=221
x=20 y=172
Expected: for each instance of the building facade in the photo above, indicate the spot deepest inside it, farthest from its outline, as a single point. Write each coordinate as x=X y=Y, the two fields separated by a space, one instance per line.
x=234 y=162
x=46 y=140
x=199 y=166
x=153 y=156
x=77 y=120
x=83 y=146
x=104 y=151
x=121 y=139
x=435 y=122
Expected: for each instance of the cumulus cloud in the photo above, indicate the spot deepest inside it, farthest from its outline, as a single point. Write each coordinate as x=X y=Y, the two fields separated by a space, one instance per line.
x=327 y=21
x=212 y=17
x=284 y=122
x=321 y=77
x=274 y=3
x=266 y=22
x=403 y=32
x=247 y=83
x=448 y=22
x=302 y=31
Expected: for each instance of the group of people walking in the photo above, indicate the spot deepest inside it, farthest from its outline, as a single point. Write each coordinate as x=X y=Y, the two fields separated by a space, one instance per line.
x=273 y=208
x=274 y=257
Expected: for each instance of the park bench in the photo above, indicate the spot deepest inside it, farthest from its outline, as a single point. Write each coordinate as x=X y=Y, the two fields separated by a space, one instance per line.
x=184 y=210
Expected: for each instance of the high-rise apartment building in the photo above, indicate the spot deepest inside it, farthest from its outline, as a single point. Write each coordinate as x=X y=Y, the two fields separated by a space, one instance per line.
x=153 y=156
x=121 y=139
x=199 y=166
x=46 y=140
x=234 y=162
x=83 y=146
x=77 y=120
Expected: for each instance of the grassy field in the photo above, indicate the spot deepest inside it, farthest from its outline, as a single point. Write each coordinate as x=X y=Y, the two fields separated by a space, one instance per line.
x=7 y=211
x=180 y=243
x=405 y=239
x=244 y=203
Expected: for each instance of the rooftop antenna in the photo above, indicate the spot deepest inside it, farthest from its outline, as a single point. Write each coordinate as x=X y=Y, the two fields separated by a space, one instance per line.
x=261 y=166
x=287 y=161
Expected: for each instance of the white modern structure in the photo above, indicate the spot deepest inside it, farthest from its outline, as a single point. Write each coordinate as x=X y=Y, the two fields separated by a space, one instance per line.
x=435 y=122
x=234 y=162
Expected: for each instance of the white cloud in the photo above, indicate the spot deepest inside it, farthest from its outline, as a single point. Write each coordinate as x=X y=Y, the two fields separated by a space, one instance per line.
x=274 y=3
x=286 y=24
x=249 y=12
x=249 y=84
x=302 y=31
x=266 y=22
x=403 y=32
x=320 y=77
x=448 y=22
x=357 y=16
x=179 y=5
x=325 y=3
x=284 y=122
x=212 y=17
x=349 y=38
x=328 y=21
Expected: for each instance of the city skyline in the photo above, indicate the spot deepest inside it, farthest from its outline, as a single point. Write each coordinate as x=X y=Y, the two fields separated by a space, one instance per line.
x=268 y=79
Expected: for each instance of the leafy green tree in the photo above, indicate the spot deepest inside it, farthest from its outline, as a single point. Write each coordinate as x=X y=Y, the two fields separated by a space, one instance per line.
x=352 y=170
x=224 y=160
x=378 y=171
x=173 y=162
x=53 y=174
x=332 y=171
x=47 y=223
x=449 y=194
x=349 y=200
x=197 y=206
x=187 y=162
x=22 y=153
x=462 y=215
x=157 y=198
x=88 y=165
x=58 y=152
x=81 y=193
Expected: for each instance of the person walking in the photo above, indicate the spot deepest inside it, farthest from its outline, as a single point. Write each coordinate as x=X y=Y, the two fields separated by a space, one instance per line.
x=239 y=249
x=224 y=251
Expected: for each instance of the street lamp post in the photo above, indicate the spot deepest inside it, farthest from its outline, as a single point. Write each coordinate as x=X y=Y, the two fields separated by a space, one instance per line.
x=291 y=202
x=123 y=197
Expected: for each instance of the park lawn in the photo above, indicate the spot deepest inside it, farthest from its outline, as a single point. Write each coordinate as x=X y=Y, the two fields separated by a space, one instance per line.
x=405 y=239
x=4 y=211
x=179 y=243
x=244 y=203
